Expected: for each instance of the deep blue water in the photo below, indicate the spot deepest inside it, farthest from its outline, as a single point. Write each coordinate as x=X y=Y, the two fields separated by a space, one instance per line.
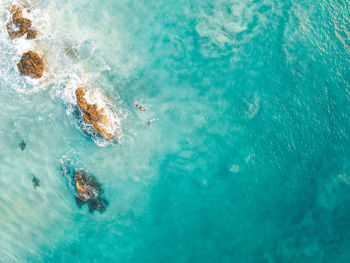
x=249 y=161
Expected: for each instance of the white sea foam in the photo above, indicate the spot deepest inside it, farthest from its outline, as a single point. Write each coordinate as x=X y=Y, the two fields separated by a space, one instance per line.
x=95 y=96
x=253 y=106
x=69 y=56
x=234 y=168
x=222 y=27
x=219 y=27
x=12 y=50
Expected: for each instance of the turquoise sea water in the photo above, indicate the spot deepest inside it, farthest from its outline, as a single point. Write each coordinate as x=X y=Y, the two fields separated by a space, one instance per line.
x=249 y=161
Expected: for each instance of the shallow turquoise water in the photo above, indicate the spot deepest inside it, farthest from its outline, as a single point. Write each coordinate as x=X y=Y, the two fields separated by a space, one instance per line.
x=248 y=163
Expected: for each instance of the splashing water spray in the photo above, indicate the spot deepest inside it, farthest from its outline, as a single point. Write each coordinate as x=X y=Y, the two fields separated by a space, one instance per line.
x=153 y=120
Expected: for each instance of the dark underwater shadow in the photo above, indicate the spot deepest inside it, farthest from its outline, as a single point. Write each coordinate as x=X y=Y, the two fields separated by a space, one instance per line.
x=86 y=189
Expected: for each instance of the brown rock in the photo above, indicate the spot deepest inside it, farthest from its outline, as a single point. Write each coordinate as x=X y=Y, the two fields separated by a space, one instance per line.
x=31 y=65
x=87 y=118
x=16 y=12
x=89 y=191
x=19 y=26
x=82 y=185
x=93 y=115
x=32 y=34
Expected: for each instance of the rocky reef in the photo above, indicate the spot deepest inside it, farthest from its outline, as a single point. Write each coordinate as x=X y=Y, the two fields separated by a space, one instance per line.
x=86 y=188
x=18 y=26
x=94 y=115
x=88 y=192
x=31 y=65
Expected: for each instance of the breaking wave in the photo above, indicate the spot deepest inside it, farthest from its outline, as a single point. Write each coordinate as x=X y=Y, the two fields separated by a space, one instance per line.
x=70 y=62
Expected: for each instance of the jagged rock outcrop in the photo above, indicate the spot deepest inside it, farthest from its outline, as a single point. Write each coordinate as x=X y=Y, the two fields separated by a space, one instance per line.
x=89 y=192
x=31 y=65
x=93 y=115
x=32 y=34
x=19 y=26
x=87 y=188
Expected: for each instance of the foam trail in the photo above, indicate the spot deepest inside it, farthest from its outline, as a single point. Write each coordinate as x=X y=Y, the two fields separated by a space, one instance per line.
x=67 y=60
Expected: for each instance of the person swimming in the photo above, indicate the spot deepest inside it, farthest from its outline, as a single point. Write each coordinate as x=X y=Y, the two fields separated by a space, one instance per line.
x=153 y=120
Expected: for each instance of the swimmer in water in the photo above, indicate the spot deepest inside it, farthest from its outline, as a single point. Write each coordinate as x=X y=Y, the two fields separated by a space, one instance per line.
x=153 y=120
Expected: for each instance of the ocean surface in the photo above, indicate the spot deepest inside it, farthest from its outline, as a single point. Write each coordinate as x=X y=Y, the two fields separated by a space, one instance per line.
x=249 y=161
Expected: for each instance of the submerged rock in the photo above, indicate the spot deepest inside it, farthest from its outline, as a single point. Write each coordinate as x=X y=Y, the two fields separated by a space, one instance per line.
x=19 y=26
x=31 y=65
x=22 y=145
x=94 y=115
x=86 y=188
x=89 y=192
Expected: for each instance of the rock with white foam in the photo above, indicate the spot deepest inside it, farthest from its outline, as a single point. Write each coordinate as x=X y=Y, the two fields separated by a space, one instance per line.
x=95 y=115
x=89 y=192
x=19 y=26
x=31 y=65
